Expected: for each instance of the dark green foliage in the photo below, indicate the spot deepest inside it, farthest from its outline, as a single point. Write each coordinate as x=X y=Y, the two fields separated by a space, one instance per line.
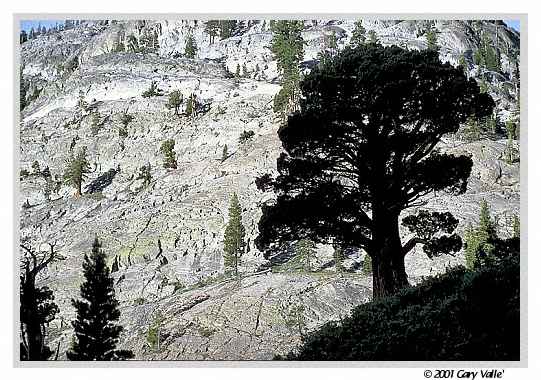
x=76 y=170
x=481 y=242
x=359 y=34
x=227 y=28
x=459 y=315
x=168 y=150
x=96 y=331
x=237 y=71
x=516 y=227
x=288 y=48
x=175 y=101
x=191 y=105
x=125 y=118
x=212 y=27
x=190 y=50
x=153 y=90
x=24 y=174
x=246 y=136
x=37 y=307
x=23 y=88
x=132 y=45
x=305 y=249
x=96 y=122
x=234 y=244
x=245 y=72
x=510 y=152
x=367 y=264
x=487 y=55
x=145 y=174
x=354 y=161
x=432 y=40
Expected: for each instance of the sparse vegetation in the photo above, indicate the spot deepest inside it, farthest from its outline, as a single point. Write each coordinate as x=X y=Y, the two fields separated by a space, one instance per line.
x=175 y=101
x=168 y=150
x=153 y=90
x=77 y=168
x=246 y=136
x=234 y=244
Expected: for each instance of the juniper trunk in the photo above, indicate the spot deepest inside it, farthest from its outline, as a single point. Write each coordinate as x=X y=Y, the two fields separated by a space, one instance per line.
x=388 y=269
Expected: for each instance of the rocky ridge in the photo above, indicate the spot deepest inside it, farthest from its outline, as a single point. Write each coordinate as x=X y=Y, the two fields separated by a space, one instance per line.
x=167 y=237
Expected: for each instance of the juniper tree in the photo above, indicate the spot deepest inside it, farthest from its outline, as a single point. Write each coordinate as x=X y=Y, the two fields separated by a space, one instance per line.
x=175 y=101
x=359 y=34
x=190 y=50
x=234 y=244
x=37 y=307
x=288 y=47
x=168 y=150
x=77 y=167
x=96 y=329
x=361 y=150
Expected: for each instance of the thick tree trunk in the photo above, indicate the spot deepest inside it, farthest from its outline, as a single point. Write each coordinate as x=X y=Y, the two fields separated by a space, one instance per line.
x=388 y=270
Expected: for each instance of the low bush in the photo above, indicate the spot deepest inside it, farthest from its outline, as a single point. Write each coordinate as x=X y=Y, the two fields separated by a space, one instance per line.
x=459 y=315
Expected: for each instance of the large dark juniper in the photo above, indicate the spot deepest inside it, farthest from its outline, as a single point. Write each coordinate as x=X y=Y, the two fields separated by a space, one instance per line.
x=362 y=149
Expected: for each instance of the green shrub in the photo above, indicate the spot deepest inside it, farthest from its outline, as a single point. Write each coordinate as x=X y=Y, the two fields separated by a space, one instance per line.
x=246 y=136
x=460 y=315
x=168 y=150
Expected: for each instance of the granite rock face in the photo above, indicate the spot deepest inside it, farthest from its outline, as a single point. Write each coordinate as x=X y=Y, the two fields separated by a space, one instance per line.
x=167 y=237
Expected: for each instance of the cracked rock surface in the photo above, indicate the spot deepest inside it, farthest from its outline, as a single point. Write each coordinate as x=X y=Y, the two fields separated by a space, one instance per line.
x=167 y=237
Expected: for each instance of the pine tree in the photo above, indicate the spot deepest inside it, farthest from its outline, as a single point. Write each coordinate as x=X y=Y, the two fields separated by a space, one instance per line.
x=479 y=242
x=359 y=34
x=227 y=28
x=432 y=40
x=168 y=150
x=81 y=102
x=145 y=174
x=191 y=105
x=76 y=170
x=175 y=101
x=190 y=51
x=234 y=244
x=511 y=135
x=288 y=48
x=96 y=331
x=305 y=249
x=237 y=71
x=212 y=28
x=245 y=73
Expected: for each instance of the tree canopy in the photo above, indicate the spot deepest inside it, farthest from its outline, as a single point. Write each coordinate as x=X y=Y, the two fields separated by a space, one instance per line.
x=361 y=149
